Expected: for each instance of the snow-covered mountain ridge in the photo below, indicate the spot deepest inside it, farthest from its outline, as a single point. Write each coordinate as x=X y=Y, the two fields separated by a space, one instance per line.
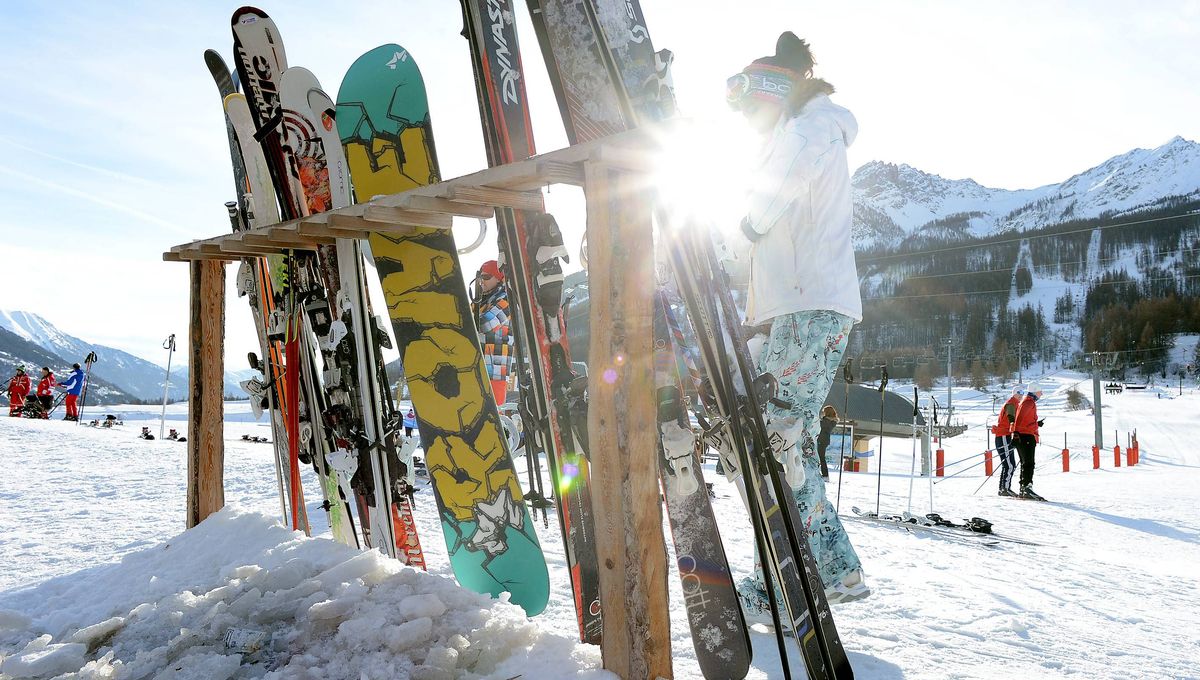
x=140 y=378
x=893 y=202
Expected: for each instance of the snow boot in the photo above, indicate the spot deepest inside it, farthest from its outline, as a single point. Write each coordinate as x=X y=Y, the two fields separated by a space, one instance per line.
x=1006 y=492
x=1028 y=494
x=852 y=587
x=756 y=607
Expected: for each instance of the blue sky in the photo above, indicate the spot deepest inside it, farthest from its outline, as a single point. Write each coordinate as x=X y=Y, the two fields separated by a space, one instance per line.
x=113 y=146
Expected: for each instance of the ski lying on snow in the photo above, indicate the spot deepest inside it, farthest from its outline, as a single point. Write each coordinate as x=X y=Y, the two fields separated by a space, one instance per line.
x=953 y=531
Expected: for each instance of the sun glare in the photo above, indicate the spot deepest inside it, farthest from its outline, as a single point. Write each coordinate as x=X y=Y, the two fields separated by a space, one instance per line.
x=702 y=170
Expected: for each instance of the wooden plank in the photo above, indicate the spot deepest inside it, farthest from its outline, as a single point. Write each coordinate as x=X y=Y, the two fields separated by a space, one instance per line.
x=172 y=256
x=339 y=226
x=290 y=236
x=444 y=206
x=237 y=247
x=206 y=380
x=499 y=198
x=633 y=160
x=622 y=427
x=197 y=256
x=561 y=173
x=401 y=217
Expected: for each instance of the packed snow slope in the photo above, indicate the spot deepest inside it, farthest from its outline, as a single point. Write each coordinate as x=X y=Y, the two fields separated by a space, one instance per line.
x=1107 y=596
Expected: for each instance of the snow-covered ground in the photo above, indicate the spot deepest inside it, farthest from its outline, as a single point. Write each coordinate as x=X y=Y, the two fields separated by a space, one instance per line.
x=1110 y=595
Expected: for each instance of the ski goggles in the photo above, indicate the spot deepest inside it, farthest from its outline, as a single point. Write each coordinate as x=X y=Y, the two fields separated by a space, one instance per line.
x=759 y=83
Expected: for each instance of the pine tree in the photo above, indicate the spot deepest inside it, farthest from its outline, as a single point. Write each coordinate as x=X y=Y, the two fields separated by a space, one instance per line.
x=924 y=377
x=978 y=377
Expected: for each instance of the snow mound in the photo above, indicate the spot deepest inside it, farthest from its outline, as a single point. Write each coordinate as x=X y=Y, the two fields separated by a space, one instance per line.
x=241 y=597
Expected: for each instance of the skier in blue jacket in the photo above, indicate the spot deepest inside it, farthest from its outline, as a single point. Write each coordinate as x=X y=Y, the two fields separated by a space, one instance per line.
x=803 y=290
x=73 y=386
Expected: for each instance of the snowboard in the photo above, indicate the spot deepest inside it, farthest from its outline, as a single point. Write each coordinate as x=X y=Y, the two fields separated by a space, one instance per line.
x=384 y=122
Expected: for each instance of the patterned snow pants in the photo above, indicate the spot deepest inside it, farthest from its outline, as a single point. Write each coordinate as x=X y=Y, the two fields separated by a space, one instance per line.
x=1005 y=449
x=803 y=353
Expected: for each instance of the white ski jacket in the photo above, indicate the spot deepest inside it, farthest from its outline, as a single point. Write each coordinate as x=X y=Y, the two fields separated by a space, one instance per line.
x=799 y=208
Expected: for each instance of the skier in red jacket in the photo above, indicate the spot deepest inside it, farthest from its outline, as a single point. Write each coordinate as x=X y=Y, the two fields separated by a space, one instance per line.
x=18 y=389
x=45 y=391
x=1004 y=440
x=1025 y=437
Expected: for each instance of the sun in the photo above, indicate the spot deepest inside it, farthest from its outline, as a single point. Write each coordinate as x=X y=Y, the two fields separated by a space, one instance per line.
x=702 y=170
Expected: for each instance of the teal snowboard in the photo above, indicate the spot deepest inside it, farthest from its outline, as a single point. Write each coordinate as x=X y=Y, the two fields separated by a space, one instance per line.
x=383 y=120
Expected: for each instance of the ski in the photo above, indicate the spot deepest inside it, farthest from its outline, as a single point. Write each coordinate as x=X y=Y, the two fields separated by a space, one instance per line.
x=719 y=633
x=928 y=525
x=299 y=173
x=899 y=524
x=349 y=343
x=531 y=247
x=741 y=436
x=252 y=196
x=384 y=123
x=593 y=100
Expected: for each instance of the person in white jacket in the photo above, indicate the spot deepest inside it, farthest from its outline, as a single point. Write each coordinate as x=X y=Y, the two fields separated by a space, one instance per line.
x=803 y=283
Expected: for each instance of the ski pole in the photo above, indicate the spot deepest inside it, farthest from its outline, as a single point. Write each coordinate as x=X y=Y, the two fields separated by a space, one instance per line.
x=883 y=381
x=847 y=377
x=87 y=377
x=912 y=469
x=169 y=345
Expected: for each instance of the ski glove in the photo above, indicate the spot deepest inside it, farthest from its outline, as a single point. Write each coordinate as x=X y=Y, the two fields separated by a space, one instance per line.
x=1041 y=422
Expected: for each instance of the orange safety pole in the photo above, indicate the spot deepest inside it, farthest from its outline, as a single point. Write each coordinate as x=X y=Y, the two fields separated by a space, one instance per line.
x=941 y=463
x=1095 y=457
x=1117 y=455
x=987 y=462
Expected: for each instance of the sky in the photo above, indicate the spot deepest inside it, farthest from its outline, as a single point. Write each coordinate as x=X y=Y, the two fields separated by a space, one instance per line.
x=113 y=145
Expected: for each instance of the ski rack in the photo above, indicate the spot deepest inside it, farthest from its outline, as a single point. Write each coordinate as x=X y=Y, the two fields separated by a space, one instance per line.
x=614 y=173
x=515 y=185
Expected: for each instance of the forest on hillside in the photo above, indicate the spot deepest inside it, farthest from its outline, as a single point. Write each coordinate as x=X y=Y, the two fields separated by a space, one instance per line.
x=1123 y=285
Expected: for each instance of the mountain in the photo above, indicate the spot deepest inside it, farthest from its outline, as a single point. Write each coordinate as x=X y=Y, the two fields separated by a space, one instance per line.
x=893 y=203
x=141 y=379
x=16 y=350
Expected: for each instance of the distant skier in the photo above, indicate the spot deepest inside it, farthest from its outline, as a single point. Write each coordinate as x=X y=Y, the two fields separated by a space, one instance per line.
x=1025 y=436
x=1002 y=430
x=803 y=282
x=409 y=422
x=491 y=314
x=45 y=391
x=73 y=386
x=18 y=389
x=829 y=419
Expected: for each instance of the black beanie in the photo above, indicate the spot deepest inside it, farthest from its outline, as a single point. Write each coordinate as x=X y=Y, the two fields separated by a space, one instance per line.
x=791 y=53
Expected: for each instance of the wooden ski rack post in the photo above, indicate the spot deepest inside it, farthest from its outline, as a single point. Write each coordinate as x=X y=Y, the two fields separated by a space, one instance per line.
x=206 y=380
x=614 y=173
